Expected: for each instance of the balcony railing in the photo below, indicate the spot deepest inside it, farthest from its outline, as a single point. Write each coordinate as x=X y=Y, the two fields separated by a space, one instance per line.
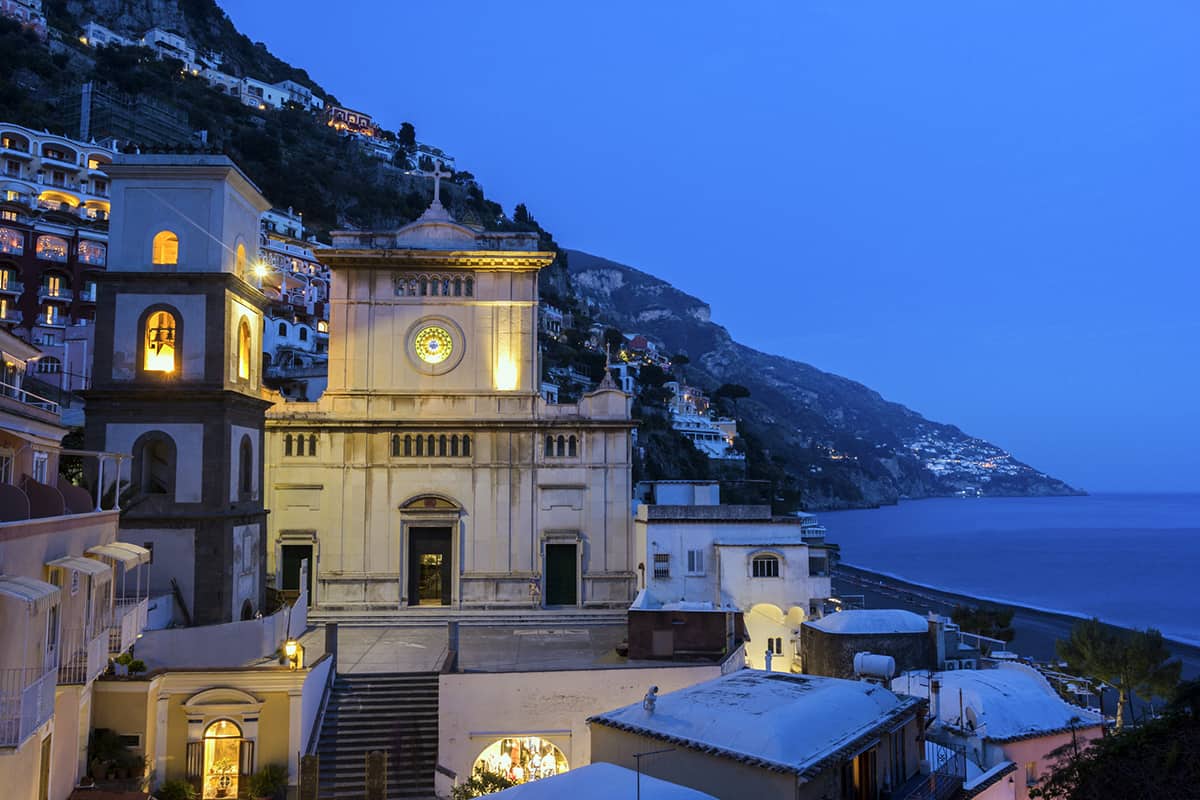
x=12 y=315
x=26 y=702
x=12 y=287
x=82 y=659
x=47 y=293
x=129 y=620
x=29 y=398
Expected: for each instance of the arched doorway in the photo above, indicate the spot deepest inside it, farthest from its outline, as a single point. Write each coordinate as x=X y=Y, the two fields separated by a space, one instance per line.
x=521 y=759
x=222 y=760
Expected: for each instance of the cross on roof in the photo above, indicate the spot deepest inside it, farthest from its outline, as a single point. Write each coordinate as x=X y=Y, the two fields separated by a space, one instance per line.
x=437 y=176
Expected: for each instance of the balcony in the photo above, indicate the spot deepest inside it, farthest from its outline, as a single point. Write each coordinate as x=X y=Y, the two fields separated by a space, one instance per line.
x=129 y=620
x=51 y=293
x=88 y=295
x=12 y=287
x=28 y=398
x=83 y=656
x=26 y=702
x=12 y=315
x=14 y=152
x=57 y=159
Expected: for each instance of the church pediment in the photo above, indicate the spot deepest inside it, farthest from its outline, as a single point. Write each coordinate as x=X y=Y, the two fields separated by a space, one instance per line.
x=435 y=235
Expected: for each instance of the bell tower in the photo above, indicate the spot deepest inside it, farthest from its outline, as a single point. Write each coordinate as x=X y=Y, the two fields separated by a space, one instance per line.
x=177 y=377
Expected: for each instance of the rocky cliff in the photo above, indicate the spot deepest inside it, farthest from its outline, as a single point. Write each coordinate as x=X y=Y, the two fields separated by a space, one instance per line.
x=846 y=444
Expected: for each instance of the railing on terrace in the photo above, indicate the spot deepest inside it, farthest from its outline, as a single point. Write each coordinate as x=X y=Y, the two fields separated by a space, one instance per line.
x=29 y=398
x=83 y=655
x=129 y=620
x=984 y=644
x=26 y=702
x=943 y=782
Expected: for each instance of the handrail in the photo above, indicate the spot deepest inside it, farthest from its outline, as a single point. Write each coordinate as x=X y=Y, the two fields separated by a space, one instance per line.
x=23 y=395
x=319 y=720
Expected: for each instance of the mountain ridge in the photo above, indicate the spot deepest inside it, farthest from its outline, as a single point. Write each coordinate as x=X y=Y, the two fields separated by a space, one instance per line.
x=848 y=445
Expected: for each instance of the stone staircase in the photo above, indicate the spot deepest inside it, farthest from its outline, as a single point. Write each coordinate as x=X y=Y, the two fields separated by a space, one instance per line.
x=393 y=712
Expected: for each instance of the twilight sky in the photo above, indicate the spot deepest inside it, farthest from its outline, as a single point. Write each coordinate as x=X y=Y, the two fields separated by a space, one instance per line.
x=987 y=211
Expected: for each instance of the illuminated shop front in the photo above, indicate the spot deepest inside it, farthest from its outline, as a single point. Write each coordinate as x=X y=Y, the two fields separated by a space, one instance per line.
x=522 y=759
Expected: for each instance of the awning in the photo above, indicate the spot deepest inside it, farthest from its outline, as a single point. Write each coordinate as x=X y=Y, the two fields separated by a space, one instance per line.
x=39 y=594
x=128 y=554
x=88 y=566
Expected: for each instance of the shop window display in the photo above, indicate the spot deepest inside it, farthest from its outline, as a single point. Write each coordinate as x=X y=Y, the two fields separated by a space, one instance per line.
x=522 y=759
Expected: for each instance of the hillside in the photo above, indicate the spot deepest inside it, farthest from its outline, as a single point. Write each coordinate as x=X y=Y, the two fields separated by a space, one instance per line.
x=844 y=443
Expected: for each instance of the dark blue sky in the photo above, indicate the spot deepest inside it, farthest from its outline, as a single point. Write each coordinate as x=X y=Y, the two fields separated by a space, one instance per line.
x=987 y=211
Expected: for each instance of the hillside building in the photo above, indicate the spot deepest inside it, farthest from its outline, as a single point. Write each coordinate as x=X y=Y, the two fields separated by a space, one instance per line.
x=26 y=12
x=347 y=120
x=54 y=209
x=431 y=471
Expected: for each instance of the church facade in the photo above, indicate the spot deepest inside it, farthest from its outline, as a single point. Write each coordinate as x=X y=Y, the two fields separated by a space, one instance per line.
x=431 y=472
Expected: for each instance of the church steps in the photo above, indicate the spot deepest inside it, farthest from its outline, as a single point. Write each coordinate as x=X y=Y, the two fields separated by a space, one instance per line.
x=396 y=713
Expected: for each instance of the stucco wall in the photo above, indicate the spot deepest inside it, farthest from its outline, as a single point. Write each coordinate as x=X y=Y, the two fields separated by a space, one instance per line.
x=476 y=709
x=832 y=654
x=19 y=769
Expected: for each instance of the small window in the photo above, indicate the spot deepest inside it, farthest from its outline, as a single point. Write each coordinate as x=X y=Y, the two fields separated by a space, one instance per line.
x=312 y=445
x=239 y=260
x=561 y=450
x=466 y=446
x=41 y=462
x=765 y=567
x=1031 y=773
x=300 y=444
x=454 y=445
x=695 y=562
x=572 y=448
x=283 y=329
x=442 y=445
x=469 y=287
x=246 y=467
x=549 y=446
x=662 y=565
x=165 y=249
x=49 y=365
x=287 y=444
x=395 y=445
x=420 y=445
x=408 y=445
x=304 y=334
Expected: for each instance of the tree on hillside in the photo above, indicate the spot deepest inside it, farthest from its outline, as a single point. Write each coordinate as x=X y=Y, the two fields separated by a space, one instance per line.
x=521 y=215
x=990 y=621
x=1130 y=661
x=407 y=136
x=732 y=391
x=614 y=340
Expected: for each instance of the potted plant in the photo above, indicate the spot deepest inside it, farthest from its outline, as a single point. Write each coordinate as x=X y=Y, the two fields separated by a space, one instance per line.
x=269 y=783
x=176 y=790
x=224 y=768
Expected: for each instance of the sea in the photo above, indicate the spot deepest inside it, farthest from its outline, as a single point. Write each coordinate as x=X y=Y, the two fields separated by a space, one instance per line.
x=1128 y=559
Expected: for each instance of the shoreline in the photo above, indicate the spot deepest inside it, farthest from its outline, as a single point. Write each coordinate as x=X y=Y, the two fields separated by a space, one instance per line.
x=1036 y=629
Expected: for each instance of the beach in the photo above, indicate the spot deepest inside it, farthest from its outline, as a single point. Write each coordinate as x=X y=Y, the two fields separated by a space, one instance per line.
x=1036 y=630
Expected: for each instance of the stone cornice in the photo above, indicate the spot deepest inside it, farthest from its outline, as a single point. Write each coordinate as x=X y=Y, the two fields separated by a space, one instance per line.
x=498 y=260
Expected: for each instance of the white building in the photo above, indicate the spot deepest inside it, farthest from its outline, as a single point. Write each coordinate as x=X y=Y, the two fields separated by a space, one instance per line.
x=601 y=782
x=751 y=734
x=436 y=157
x=772 y=569
x=690 y=416
x=27 y=12
x=1009 y=715
x=171 y=45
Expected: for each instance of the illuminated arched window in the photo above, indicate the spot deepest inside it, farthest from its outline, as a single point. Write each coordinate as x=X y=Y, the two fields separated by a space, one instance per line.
x=521 y=759
x=239 y=260
x=166 y=248
x=160 y=343
x=224 y=759
x=243 y=362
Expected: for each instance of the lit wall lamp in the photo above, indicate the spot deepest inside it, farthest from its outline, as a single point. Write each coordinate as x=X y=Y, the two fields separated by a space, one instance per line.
x=293 y=652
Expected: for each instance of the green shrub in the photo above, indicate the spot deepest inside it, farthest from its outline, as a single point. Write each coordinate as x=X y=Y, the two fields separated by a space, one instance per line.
x=270 y=781
x=176 y=790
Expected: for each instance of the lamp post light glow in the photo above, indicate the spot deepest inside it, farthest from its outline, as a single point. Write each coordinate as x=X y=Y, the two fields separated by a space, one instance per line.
x=294 y=654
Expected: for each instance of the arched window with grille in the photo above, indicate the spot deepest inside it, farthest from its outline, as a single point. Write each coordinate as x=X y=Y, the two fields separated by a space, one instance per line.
x=561 y=449
x=49 y=365
x=161 y=340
